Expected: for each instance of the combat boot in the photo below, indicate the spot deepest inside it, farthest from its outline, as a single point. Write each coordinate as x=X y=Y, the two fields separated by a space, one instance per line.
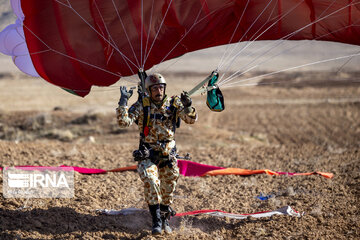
x=156 y=219
x=166 y=212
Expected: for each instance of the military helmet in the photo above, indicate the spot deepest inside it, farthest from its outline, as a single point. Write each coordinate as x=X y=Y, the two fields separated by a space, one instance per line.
x=154 y=79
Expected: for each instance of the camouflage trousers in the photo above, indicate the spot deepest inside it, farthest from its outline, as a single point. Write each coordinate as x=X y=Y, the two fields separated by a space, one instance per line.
x=159 y=183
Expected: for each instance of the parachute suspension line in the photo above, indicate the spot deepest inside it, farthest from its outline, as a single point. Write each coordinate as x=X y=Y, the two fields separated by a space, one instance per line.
x=222 y=60
x=141 y=34
x=292 y=68
x=252 y=41
x=330 y=5
x=148 y=35
x=65 y=55
x=200 y=20
x=158 y=31
x=276 y=43
x=232 y=60
x=111 y=38
x=346 y=62
x=34 y=53
x=63 y=3
x=127 y=36
x=273 y=83
x=195 y=22
x=290 y=35
x=167 y=67
x=103 y=37
x=238 y=74
x=232 y=36
x=219 y=67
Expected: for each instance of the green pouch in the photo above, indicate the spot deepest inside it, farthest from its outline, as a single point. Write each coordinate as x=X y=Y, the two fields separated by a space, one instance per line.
x=215 y=98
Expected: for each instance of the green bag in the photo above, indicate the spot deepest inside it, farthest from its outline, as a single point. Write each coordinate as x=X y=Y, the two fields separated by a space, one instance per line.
x=215 y=98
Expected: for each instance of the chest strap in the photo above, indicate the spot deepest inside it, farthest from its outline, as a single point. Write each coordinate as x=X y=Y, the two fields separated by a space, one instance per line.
x=148 y=116
x=146 y=120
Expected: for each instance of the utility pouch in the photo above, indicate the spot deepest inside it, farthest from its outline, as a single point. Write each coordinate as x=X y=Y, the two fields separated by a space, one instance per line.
x=141 y=154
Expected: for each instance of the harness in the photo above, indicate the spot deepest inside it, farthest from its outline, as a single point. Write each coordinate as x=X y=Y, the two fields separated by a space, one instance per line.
x=149 y=116
x=145 y=151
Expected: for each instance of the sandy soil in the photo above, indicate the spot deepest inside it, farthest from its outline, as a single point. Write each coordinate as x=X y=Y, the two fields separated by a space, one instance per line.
x=311 y=124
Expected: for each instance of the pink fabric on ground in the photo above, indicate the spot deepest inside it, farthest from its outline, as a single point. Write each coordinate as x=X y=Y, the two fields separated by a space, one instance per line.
x=88 y=170
x=191 y=169
x=188 y=168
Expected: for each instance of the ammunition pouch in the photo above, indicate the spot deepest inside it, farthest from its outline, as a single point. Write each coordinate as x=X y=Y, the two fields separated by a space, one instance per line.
x=141 y=154
x=162 y=161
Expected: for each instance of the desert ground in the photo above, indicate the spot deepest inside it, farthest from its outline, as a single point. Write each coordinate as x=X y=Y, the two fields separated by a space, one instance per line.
x=306 y=121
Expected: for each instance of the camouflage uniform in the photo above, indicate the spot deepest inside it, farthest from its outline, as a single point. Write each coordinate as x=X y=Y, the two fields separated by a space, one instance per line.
x=159 y=181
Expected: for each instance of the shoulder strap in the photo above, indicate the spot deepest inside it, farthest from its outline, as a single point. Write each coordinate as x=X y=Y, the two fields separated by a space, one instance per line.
x=173 y=108
x=146 y=120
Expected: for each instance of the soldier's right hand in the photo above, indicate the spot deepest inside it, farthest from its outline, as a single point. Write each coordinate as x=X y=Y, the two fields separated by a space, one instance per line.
x=125 y=93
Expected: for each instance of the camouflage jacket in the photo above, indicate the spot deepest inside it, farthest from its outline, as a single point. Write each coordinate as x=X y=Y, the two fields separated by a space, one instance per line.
x=161 y=126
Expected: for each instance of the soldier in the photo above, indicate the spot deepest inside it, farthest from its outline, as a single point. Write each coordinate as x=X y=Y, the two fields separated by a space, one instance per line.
x=157 y=118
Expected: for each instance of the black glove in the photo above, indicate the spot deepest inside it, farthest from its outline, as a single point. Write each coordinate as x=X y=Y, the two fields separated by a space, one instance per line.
x=186 y=101
x=125 y=95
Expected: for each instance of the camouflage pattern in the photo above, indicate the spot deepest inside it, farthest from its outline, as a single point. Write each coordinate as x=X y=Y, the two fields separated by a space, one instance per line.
x=159 y=183
x=159 y=130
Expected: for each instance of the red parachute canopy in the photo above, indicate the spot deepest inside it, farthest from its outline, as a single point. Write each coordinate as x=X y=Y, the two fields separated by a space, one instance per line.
x=79 y=43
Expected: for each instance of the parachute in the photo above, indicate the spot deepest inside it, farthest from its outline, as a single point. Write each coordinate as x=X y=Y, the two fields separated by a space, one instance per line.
x=78 y=44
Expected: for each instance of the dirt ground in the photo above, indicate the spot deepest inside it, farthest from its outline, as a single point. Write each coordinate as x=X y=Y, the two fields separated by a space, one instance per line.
x=307 y=123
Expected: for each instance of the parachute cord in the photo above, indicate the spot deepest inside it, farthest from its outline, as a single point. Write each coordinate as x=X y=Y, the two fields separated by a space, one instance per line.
x=69 y=5
x=290 y=35
x=148 y=35
x=195 y=22
x=280 y=40
x=141 y=34
x=33 y=53
x=73 y=58
x=281 y=82
x=219 y=67
x=127 y=36
x=103 y=37
x=108 y=32
x=172 y=63
x=292 y=68
x=231 y=62
x=157 y=33
x=240 y=72
x=232 y=36
x=330 y=5
x=346 y=62
x=200 y=20
x=277 y=43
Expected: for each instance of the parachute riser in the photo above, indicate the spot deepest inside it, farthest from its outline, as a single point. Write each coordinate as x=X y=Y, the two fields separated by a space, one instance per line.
x=141 y=87
x=144 y=99
x=201 y=87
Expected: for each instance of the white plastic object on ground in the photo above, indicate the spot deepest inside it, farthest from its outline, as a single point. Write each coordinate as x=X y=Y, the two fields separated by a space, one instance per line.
x=287 y=210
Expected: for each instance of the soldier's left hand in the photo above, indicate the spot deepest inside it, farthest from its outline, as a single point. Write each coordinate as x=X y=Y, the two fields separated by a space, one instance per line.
x=186 y=99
